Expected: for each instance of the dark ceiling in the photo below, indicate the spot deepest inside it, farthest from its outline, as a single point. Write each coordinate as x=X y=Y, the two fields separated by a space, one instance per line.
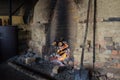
x=16 y=4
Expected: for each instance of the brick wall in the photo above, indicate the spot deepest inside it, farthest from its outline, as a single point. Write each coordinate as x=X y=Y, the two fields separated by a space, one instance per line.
x=70 y=17
x=37 y=28
x=64 y=22
x=107 y=36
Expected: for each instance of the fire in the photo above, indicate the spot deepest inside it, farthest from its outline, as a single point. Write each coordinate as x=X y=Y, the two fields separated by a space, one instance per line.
x=61 y=51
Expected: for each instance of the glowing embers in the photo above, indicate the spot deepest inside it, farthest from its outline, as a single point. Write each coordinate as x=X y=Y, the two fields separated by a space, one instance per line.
x=60 y=53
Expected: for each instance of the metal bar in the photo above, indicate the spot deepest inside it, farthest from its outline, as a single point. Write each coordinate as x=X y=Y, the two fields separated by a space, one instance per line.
x=10 y=12
x=86 y=32
x=18 y=8
x=30 y=69
x=94 y=32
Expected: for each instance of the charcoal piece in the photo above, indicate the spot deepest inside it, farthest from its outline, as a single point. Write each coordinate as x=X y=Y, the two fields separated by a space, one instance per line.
x=65 y=75
x=64 y=68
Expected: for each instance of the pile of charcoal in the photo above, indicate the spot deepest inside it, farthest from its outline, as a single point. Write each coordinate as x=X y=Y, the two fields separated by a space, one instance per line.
x=65 y=73
x=45 y=67
x=38 y=65
x=28 y=56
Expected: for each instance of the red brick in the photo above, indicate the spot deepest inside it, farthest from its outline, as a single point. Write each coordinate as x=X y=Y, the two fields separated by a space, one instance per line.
x=76 y=63
x=115 y=52
x=119 y=52
x=99 y=65
x=118 y=65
